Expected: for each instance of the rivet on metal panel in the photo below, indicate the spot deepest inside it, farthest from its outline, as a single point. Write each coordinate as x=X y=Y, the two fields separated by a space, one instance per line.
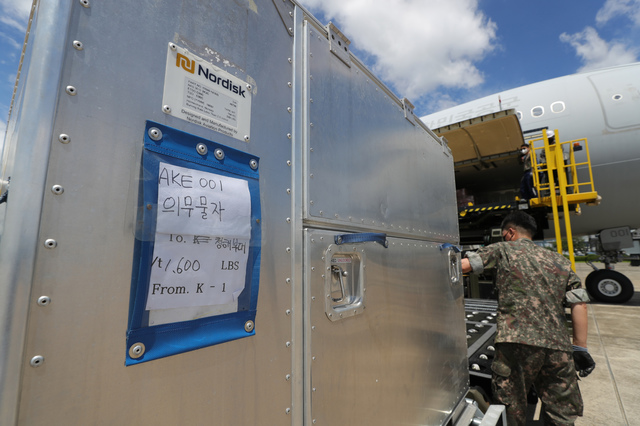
x=289 y=84
x=166 y=109
x=57 y=189
x=50 y=243
x=287 y=377
x=288 y=135
x=253 y=164
x=288 y=220
x=310 y=149
x=311 y=202
x=288 y=249
x=289 y=163
x=155 y=133
x=44 y=300
x=246 y=138
x=289 y=109
x=78 y=45
x=313 y=268
x=311 y=175
x=71 y=90
x=313 y=327
x=288 y=411
x=248 y=326
x=64 y=138
x=172 y=46
x=314 y=421
x=84 y=3
x=219 y=154
x=311 y=100
x=249 y=87
x=288 y=344
x=137 y=350
x=202 y=149
x=288 y=312
x=310 y=124
x=313 y=298
x=288 y=280
x=290 y=60
x=321 y=213
x=36 y=361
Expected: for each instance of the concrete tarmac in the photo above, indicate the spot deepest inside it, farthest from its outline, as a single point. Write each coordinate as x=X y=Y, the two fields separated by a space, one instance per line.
x=611 y=393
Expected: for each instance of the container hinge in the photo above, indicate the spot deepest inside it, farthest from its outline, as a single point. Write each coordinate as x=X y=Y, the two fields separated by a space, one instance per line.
x=445 y=147
x=285 y=10
x=408 y=111
x=339 y=44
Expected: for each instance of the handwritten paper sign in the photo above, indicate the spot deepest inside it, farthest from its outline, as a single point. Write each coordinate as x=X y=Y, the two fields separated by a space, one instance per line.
x=202 y=239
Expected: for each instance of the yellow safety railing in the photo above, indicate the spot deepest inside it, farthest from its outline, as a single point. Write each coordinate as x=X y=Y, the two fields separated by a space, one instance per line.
x=555 y=177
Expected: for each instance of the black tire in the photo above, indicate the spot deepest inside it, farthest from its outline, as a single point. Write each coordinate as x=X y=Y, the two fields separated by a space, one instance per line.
x=609 y=286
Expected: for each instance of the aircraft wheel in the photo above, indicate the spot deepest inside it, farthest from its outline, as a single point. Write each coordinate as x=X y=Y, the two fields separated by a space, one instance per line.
x=609 y=286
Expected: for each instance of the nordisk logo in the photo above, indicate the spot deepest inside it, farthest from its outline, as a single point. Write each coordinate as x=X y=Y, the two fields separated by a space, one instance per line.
x=189 y=66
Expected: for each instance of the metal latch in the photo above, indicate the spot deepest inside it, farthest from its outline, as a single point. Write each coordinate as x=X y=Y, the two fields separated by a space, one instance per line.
x=344 y=282
x=340 y=273
x=454 y=267
x=454 y=262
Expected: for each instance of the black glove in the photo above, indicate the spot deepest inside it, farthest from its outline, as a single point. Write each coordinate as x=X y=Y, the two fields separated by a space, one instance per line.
x=583 y=361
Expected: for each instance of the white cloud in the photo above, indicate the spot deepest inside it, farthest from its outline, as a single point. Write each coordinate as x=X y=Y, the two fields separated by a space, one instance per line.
x=613 y=8
x=416 y=45
x=595 y=52
x=15 y=13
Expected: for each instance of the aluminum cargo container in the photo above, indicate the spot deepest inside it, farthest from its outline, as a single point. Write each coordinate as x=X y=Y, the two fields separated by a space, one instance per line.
x=218 y=215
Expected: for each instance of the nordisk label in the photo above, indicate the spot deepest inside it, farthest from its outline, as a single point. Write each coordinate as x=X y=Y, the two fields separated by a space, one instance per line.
x=201 y=93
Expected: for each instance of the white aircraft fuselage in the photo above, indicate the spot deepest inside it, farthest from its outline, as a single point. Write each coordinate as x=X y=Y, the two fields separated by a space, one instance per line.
x=602 y=106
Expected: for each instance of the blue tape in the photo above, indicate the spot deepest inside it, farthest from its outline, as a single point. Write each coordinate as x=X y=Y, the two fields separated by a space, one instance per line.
x=362 y=238
x=450 y=246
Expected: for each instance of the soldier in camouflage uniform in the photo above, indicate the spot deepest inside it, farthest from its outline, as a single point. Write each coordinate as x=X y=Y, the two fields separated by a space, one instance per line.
x=532 y=342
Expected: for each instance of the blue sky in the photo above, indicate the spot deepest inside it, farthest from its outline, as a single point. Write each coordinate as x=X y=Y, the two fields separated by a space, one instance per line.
x=439 y=53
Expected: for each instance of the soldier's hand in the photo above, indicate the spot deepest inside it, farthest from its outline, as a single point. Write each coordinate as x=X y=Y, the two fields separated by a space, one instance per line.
x=583 y=361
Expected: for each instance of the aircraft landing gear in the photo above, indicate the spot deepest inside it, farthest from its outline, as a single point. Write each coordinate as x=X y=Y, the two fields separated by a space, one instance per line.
x=609 y=286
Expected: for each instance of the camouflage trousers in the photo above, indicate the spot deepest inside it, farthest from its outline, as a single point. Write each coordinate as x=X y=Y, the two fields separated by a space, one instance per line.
x=516 y=367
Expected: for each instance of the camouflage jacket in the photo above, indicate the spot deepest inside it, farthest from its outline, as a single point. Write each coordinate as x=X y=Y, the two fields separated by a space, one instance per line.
x=533 y=284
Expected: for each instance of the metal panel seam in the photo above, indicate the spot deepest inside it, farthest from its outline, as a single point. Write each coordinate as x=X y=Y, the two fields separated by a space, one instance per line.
x=17 y=274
